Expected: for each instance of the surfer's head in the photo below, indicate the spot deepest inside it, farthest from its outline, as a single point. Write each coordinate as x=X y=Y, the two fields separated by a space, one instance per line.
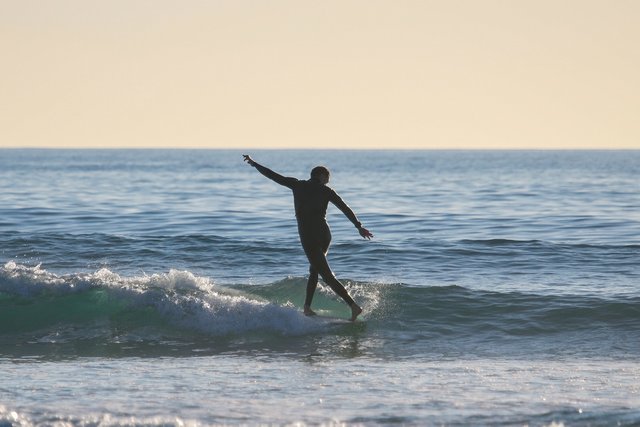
x=320 y=173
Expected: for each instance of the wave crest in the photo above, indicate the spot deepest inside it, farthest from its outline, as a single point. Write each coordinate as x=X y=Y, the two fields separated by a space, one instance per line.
x=181 y=298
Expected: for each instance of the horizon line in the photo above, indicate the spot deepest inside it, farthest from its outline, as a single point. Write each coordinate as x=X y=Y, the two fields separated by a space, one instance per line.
x=325 y=148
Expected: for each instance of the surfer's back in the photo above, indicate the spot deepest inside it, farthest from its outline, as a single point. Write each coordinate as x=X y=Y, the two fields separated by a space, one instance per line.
x=311 y=199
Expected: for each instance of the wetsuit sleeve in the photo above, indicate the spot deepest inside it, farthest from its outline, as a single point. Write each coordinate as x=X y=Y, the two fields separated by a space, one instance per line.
x=282 y=180
x=346 y=210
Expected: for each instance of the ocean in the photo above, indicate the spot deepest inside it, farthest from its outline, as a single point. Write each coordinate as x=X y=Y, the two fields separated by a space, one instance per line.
x=165 y=287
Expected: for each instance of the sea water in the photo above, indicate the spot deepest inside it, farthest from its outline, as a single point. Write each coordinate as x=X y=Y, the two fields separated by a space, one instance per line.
x=164 y=287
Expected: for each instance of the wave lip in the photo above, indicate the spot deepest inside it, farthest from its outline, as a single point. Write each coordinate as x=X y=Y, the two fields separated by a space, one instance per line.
x=33 y=298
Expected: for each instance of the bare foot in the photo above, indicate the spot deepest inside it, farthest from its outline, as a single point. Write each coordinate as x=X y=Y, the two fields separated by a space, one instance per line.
x=355 y=312
x=308 y=311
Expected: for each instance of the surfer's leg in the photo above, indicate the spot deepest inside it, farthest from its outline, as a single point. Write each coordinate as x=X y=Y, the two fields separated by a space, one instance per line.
x=319 y=262
x=312 y=284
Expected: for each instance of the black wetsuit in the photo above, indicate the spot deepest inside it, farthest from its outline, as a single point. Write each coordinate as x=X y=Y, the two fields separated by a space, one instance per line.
x=311 y=199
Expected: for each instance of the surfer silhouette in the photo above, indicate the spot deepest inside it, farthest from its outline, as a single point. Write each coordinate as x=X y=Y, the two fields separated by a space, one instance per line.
x=311 y=198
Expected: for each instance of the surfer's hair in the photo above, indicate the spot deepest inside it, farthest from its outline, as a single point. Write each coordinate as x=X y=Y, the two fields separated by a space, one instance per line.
x=318 y=171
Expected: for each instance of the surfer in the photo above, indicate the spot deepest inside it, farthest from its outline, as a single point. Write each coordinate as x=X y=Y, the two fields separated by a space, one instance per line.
x=310 y=199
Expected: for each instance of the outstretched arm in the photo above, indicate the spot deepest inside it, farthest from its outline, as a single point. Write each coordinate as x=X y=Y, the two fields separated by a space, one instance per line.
x=282 y=180
x=346 y=210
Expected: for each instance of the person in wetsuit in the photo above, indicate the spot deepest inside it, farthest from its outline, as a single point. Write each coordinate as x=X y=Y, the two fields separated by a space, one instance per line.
x=310 y=199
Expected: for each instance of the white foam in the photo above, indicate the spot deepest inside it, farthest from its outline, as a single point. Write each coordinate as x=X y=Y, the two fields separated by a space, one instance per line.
x=183 y=298
x=13 y=418
x=16 y=419
x=27 y=281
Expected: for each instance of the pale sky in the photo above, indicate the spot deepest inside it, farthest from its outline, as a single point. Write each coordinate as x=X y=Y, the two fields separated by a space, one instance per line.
x=427 y=74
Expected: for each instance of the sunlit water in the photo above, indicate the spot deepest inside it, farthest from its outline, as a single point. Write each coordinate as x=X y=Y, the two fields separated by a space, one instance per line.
x=164 y=287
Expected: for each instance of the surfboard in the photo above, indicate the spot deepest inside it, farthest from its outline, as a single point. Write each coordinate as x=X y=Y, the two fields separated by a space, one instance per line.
x=330 y=320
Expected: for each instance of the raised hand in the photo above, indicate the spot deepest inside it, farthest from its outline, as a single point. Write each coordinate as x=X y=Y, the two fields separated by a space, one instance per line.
x=248 y=159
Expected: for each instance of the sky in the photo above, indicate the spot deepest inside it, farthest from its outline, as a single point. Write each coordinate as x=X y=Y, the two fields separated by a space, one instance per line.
x=424 y=74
